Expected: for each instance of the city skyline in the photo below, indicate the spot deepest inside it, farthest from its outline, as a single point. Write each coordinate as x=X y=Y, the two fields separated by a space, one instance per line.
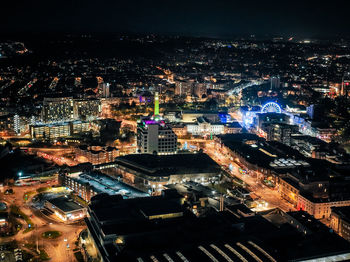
x=174 y=131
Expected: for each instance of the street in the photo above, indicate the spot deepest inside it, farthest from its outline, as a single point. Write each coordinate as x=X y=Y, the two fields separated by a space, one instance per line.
x=55 y=248
x=270 y=195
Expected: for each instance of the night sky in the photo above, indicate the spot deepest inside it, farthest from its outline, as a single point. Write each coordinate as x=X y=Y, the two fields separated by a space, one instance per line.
x=199 y=18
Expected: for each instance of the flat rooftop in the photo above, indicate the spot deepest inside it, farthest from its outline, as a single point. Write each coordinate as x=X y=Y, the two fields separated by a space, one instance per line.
x=165 y=165
x=65 y=204
x=124 y=216
x=105 y=184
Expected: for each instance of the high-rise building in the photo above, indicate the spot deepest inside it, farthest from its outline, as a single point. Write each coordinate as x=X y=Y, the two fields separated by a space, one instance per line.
x=57 y=109
x=275 y=82
x=66 y=109
x=16 y=124
x=86 y=109
x=154 y=136
x=183 y=88
x=200 y=90
x=105 y=90
x=32 y=120
x=280 y=132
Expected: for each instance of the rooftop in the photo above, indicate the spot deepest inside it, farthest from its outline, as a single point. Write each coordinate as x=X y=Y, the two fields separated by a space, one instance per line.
x=105 y=184
x=165 y=165
x=65 y=204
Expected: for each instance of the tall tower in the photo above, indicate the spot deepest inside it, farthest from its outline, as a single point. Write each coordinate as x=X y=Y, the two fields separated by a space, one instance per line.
x=156 y=104
x=16 y=124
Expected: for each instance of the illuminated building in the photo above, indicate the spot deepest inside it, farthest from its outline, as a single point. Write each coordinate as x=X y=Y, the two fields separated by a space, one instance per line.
x=262 y=159
x=320 y=208
x=295 y=109
x=275 y=82
x=90 y=183
x=206 y=127
x=32 y=121
x=280 y=132
x=78 y=127
x=213 y=116
x=66 y=209
x=179 y=129
x=270 y=118
x=50 y=131
x=61 y=129
x=154 y=171
x=86 y=109
x=320 y=130
x=183 y=88
x=324 y=133
x=105 y=90
x=200 y=90
x=66 y=109
x=289 y=190
x=57 y=109
x=314 y=147
x=340 y=221
x=154 y=136
x=313 y=191
x=81 y=188
x=96 y=154
x=16 y=124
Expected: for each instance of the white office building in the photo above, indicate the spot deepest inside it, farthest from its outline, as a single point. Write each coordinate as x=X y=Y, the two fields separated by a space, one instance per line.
x=156 y=137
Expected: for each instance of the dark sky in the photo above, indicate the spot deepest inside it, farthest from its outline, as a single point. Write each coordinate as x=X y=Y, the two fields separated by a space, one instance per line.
x=207 y=18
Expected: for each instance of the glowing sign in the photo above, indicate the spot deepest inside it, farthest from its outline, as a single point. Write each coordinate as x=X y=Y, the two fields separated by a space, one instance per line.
x=271 y=107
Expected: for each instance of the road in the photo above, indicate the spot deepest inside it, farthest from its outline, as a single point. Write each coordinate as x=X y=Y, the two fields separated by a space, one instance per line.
x=269 y=195
x=54 y=154
x=55 y=248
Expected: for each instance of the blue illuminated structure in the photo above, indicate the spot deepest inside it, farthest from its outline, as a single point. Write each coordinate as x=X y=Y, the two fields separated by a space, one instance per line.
x=225 y=118
x=271 y=107
x=249 y=119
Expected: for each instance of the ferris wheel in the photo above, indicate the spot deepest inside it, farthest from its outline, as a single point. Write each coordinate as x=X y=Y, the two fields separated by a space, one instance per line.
x=271 y=107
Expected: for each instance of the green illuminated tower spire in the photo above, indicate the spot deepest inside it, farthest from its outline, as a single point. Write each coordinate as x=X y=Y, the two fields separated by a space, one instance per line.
x=156 y=104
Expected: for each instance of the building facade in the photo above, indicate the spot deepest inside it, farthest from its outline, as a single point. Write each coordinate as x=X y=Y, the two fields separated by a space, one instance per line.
x=340 y=221
x=96 y=154
x=156 y=137
x=57 y=109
